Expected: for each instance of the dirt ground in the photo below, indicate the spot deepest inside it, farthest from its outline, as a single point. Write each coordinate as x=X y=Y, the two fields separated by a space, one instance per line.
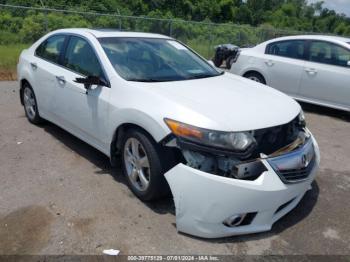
x=7 y=75
x=59 y=196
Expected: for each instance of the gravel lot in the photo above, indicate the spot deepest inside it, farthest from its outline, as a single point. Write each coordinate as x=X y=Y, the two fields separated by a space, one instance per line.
x=58 y=195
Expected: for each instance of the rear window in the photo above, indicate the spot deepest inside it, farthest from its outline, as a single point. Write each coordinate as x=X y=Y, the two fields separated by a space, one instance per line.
x=51 y=48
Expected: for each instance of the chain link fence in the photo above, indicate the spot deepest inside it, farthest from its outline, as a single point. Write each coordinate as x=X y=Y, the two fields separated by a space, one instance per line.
x=20 y=24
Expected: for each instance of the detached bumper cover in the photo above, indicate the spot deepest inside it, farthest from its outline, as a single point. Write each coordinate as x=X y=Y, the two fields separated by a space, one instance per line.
x=203 y=201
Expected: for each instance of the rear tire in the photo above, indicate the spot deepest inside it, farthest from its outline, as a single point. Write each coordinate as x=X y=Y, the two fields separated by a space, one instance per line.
x=30 y=105
x=254 y=76
x=144 y=164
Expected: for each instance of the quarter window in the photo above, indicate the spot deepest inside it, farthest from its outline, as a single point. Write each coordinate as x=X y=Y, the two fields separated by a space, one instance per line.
x=81 y=58
x=291 y=49
x=329 y=53
x=51 y=48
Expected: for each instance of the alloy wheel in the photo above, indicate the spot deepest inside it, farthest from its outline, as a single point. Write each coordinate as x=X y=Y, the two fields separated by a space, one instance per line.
x=137 y=164
x=29 y=103
x=254 y=78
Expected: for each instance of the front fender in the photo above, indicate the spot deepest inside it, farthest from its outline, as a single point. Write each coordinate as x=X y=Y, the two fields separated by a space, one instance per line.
x=156 y=128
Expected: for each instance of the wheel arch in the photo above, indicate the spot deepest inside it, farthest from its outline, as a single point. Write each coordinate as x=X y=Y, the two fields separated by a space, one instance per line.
x=22 y=82
x=115 y=145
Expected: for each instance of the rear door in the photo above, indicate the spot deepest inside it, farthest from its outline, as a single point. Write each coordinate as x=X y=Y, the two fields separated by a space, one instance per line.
x=44 y=65
x=326 y=76
x=284 y=62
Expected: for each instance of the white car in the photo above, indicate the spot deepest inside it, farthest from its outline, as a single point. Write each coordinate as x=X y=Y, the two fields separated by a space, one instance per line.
x=236 y=154
x=313 y=69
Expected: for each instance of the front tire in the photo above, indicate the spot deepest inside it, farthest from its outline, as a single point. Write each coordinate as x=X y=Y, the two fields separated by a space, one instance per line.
x=255 y=77
x=144 y=163
x=30 y=105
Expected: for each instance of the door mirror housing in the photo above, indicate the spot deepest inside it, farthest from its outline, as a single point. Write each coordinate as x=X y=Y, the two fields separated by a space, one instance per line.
x=91 y=80
x=348 y=64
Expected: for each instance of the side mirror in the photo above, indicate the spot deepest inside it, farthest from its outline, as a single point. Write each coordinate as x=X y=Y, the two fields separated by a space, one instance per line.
x=348 y=63
x=91 y=80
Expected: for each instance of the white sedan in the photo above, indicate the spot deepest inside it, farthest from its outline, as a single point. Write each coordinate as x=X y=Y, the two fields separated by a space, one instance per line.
x=313 y=69
x=235 y=154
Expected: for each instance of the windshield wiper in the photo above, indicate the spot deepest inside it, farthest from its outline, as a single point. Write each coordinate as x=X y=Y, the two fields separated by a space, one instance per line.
x=148 y=80
x=154 y=80
x=205 y=75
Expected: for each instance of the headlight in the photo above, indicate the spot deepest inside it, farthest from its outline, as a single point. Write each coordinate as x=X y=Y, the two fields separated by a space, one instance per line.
x=235 y=141
x=301 y=119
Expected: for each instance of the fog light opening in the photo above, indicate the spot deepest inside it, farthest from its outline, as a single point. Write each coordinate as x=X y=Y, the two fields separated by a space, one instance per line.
x=234 y=221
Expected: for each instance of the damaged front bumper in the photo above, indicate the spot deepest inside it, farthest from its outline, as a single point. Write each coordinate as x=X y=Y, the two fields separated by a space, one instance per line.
x=212 y=206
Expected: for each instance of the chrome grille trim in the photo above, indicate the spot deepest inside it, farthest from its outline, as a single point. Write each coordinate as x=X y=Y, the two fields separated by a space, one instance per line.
x=295 y=166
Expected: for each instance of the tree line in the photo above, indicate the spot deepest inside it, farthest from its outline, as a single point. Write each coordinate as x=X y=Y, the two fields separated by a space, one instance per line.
x=258 y=20
x=286 y=14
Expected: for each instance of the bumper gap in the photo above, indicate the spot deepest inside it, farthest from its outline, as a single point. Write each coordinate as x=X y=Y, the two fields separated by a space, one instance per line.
x=284 y=206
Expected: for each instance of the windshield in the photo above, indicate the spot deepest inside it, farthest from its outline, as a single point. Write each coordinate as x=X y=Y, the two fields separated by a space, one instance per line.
x=154 y=60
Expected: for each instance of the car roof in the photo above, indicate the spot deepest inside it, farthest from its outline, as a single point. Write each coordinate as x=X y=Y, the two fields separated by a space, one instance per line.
x=313 y=37
x=106 y=32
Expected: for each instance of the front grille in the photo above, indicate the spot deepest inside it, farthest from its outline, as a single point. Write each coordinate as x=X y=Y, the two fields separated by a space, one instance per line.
x=295 y=166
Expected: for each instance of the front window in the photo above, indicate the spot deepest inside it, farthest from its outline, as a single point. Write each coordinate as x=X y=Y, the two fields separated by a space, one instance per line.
x=81 y=58
x=154 y=60
x=341 y=56
x=329 y=53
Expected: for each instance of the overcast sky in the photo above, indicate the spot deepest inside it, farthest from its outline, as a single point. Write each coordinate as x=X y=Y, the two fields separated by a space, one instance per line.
x=340 y=6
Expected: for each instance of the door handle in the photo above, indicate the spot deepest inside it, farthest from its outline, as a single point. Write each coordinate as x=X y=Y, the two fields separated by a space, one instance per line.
x=61 y=80
x=34 y=66
x=269 y=63
x=311 y=71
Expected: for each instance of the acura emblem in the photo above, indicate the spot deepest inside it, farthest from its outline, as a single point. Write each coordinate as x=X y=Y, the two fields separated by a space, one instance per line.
x=304 y=161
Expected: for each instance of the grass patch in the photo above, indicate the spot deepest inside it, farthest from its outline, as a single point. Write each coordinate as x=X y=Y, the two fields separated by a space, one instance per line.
x=203 y=49
x=9 y=56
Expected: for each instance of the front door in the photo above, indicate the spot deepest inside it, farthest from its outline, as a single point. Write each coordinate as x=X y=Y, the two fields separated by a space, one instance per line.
x=84 y=112
x=326 y=76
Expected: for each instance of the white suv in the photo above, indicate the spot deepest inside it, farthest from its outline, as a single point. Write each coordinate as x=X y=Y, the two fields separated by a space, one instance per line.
x=314 y=69
x=236 y=154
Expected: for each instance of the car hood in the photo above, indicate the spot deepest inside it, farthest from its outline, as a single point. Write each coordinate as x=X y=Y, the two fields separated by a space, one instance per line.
x=226 y=102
